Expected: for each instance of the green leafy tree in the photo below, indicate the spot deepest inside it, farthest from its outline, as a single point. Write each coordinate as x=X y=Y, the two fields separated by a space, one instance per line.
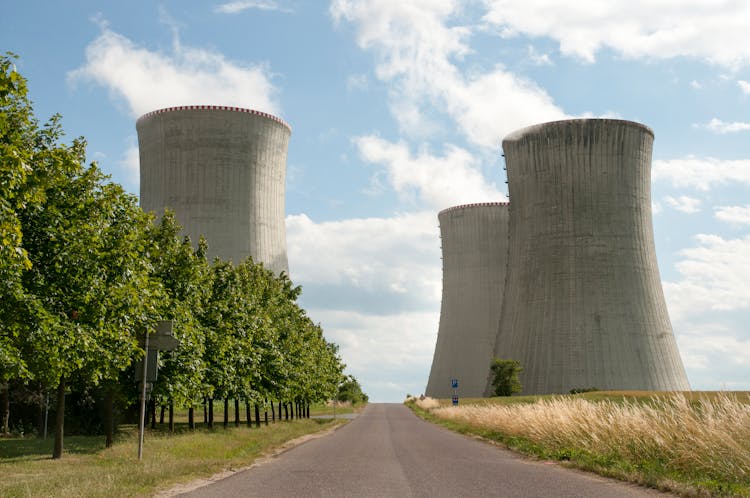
x=505 y=377
x=184 y=274
x=350 y=390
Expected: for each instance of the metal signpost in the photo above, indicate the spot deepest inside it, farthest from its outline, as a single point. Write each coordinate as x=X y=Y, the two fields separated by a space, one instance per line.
x=454 y=385
x=160 y=340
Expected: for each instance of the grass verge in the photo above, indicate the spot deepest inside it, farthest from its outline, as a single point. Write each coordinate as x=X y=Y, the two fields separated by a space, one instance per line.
x=87 y=469
x=694 y=444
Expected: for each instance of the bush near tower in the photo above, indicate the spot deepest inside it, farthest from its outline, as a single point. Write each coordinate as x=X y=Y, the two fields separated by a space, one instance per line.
x=505 y=377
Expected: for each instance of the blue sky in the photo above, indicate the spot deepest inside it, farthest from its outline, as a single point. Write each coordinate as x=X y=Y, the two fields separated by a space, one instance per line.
x=398 y=109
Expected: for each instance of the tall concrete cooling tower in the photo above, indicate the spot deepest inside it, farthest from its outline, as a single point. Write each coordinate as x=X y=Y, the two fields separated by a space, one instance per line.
x=583 y=304
x=222 y=170
x=474 y=243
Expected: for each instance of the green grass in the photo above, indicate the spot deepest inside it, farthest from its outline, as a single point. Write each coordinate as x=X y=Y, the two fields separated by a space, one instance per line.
x=699 y=446
x=87 y=469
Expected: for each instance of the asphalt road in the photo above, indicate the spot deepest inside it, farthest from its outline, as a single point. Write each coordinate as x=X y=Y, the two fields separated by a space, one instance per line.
x=388 y=451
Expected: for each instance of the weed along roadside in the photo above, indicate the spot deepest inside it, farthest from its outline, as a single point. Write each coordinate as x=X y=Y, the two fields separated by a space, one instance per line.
x=692 y=444
x=169 y=459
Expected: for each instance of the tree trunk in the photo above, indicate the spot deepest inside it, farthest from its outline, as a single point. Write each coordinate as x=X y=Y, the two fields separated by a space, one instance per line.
x=286 y=412
x=205 y=411
x=171 y=416
x=210 y=413
x=279 y=411
x=109 y=408
x=265 y=411
x=247 y=414
x=257 y=415
x=191 y=417
x=161 y=415
x=226 y=412
x=6 y=409
x=153 y=413
x=273 y=413
x=236 y=412
x=59 y=420
x=40 y=415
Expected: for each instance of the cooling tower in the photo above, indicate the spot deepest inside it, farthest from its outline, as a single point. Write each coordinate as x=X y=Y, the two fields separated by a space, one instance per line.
x=474 y=243
x=583 y=304
x=222 y=170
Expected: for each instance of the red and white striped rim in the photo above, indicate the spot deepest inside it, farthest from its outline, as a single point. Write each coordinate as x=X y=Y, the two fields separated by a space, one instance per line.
x=476 y=204
x=215 y=108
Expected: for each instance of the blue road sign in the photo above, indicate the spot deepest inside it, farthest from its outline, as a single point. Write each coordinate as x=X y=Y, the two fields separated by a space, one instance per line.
x=454 y=383
x=455 y=400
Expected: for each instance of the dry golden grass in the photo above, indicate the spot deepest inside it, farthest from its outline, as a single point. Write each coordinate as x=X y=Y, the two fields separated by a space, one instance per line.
x=708 y=437
x=427 y=403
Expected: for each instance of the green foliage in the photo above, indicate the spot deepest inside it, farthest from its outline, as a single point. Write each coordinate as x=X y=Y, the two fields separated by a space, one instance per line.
x=350 y=390
x=581 y=390
x=505 y=377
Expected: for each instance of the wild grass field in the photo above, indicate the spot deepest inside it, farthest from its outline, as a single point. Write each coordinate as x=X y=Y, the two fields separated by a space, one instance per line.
x=695 y=444
x=88 y=469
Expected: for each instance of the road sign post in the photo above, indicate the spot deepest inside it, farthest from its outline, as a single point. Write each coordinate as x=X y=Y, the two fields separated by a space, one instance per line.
x=454 y=385
x=160 y=340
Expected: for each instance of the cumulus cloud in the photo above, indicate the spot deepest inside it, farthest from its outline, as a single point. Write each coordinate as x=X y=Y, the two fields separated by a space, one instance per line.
x=398 y=255
x=439 y=181
x=723 y=127
x=744 y=86
x=714 y=275
x=701 y=173
x=149 y=80
x=709 y=304
x=684 y=203
x=737 y=215
x=715 y=31
x=390 y=354
x=417 y=50
x=242 y=5
x=130 y=165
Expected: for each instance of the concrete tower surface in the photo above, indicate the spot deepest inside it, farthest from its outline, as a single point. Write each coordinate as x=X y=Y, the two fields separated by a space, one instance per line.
x=583 y=304
x=474 y=244
x=222 y=170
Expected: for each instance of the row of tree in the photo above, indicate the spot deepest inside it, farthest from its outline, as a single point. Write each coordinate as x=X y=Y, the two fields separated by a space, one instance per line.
x=84 y=273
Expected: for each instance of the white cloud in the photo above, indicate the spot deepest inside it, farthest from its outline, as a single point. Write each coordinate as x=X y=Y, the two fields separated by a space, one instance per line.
x=130 y=165
x=715 y=275
x=537 y=58
x=242 y=5
x=723 y=127
x=700 y=344
x=713 y=31
x=375 y=287
x=744 y=86
x=696 y=85
x=398 y=255
x=709 y=305
x=389 y=354
x=356 y=82
x=440 y=182
x=684 y=203
x=701 y=173
x=149 y=80
x=738 y=215
x=416 y=51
